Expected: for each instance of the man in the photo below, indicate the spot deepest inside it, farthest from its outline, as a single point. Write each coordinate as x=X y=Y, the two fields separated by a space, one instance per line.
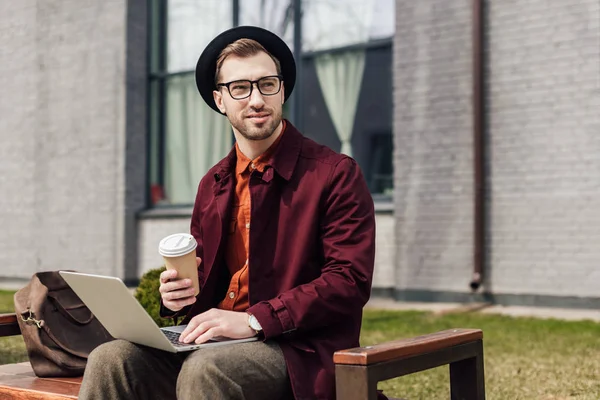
x=285 y=230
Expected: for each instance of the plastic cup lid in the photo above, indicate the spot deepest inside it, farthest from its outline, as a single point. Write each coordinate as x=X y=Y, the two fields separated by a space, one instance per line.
x=176 y=245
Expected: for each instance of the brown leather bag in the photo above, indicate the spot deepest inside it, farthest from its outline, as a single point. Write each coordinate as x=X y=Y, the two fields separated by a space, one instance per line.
x=58 y=329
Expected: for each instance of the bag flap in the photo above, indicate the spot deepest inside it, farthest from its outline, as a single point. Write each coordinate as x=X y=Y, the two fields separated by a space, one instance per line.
x=71 y=306
x=30 y=297
x=52 y=280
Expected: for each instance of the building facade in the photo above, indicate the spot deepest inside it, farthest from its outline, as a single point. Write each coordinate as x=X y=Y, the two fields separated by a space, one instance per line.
x=541 y=158
x=105 y=137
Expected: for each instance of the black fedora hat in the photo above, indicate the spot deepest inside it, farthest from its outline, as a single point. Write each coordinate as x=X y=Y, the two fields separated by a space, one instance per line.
x=207 y=63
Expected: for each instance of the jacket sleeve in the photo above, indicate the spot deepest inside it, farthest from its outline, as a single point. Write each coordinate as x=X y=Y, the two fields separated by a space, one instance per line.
x=196 y=232
x=348 y=240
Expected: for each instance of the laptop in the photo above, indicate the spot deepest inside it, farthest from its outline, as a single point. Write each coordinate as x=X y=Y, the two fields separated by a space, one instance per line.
x=124 y=318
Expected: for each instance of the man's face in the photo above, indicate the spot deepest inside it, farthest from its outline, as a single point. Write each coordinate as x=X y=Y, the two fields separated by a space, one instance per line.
x=255 y=117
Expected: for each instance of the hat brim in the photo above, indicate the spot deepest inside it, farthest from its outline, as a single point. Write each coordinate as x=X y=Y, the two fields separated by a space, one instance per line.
x=207 y=63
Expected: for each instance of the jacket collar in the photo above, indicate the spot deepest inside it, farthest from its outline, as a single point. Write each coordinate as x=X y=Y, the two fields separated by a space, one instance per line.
x=286 y=155
x=283 y=160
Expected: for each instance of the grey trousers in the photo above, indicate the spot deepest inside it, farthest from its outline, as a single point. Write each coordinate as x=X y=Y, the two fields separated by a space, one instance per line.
x=244 y=371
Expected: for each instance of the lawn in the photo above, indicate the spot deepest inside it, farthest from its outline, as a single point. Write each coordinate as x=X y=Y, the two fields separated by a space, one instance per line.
x=525 y=358
x=12 y=349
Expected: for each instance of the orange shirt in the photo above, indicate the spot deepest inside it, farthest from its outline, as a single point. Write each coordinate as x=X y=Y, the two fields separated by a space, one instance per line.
x=237 y=252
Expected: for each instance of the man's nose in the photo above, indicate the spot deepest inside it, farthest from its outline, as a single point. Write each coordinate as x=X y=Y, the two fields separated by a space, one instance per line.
x=256 y=97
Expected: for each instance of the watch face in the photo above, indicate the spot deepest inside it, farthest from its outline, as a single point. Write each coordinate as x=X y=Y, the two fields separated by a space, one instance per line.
x=254 y=323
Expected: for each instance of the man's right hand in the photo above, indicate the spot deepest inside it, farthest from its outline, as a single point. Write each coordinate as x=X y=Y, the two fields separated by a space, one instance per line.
x=176 y=293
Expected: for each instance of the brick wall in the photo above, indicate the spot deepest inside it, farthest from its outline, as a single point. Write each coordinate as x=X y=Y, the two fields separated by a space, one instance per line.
x=433 y=145
x=544 y=146
x=67 y=200
x=544 y=119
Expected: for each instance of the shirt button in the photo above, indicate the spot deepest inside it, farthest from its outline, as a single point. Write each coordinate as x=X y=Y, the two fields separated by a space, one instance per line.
x=252 y=166
x=231 y=295
x=248 y=225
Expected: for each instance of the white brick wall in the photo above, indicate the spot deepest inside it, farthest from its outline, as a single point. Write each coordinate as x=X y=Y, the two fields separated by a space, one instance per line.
x=63 y=128
x=151 y=231
x=433 y=145
x=544 y=116
x=384 y=274
x=544 y=146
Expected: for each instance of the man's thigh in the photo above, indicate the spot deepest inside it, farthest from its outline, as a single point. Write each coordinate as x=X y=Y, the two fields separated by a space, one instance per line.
x=123 y=370
x=253 y=370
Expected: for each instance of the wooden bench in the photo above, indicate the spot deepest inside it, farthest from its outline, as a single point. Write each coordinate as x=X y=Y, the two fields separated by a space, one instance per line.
x=357 y=370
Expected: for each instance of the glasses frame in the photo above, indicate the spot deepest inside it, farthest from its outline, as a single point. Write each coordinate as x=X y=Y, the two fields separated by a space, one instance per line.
x=227 y=84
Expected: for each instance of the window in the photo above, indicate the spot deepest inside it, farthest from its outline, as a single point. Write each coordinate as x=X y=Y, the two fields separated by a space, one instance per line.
x=344 y=93
x=186 y=136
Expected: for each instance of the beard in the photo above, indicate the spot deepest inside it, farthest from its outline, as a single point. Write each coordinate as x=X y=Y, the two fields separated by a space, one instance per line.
x=250 y=130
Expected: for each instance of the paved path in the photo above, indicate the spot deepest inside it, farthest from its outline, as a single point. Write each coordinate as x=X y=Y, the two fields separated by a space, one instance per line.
x=517 y=311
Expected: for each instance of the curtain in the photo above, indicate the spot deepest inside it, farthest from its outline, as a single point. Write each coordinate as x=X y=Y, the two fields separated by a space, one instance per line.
x=340 y=74
x=340 y=77
x=196 y=138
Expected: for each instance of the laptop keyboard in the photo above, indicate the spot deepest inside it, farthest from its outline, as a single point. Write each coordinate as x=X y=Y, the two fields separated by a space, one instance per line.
x=174 y=338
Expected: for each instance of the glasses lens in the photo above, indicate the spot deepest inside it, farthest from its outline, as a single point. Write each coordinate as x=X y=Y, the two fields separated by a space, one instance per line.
x=269 y=85
x=239 y=89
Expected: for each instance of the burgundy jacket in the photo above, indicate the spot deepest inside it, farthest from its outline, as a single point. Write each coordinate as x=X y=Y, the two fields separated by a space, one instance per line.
x=312 y=250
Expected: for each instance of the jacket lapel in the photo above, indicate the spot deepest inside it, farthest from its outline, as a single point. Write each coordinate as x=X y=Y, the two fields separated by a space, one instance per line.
x=223 y=190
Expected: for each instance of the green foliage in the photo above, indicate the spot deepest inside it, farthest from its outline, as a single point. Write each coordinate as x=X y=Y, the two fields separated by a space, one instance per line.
x=149 y=297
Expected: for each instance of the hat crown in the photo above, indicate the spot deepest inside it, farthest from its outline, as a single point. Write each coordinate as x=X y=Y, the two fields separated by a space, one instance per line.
x=207 y=62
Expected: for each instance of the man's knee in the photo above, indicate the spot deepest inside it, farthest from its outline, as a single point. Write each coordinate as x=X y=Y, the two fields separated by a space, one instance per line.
x=203 y=368
x=115 y=352
x=209 y=374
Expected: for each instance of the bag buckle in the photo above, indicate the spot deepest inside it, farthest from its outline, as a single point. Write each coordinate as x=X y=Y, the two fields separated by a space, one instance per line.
x=31 y=319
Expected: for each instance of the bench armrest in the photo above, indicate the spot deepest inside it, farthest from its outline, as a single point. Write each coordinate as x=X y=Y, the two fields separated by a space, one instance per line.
x=9 y=325
x=404 y=348
x=358 y=370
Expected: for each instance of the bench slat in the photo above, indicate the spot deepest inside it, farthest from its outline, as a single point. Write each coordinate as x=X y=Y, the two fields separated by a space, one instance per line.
x=18 y=382
x=404 y=348
x=23 y=368
x=21 y=388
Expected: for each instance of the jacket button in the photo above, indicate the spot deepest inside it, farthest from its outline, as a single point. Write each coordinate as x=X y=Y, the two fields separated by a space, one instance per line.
x=231 y=295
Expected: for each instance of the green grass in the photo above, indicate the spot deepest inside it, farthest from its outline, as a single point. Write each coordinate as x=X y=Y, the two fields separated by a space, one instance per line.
x=12 y=349
x=525 y=358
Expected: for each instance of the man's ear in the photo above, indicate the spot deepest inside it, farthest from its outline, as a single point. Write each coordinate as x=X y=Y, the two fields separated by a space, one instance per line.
x=282 y=93
x=218 y=97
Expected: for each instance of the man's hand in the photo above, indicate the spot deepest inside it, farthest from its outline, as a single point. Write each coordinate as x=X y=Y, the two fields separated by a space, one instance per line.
x=215 y=322
x=175 y=293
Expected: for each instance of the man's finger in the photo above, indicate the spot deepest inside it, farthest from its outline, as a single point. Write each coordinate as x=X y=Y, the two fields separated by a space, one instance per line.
x=209 y=334
x=168 y=275
x=198 y=331
x=179 y=294
x=198 y=261
x=194 y=322
x=175 y=285
x=178 y=304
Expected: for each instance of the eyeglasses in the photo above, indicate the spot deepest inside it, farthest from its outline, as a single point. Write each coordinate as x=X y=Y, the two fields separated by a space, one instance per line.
x=267 y=86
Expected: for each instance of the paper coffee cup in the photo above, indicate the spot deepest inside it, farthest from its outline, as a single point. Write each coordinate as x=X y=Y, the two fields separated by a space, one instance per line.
x=178 y=251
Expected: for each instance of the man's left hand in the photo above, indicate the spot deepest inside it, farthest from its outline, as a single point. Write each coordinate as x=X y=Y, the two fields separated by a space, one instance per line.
x=215 y=322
